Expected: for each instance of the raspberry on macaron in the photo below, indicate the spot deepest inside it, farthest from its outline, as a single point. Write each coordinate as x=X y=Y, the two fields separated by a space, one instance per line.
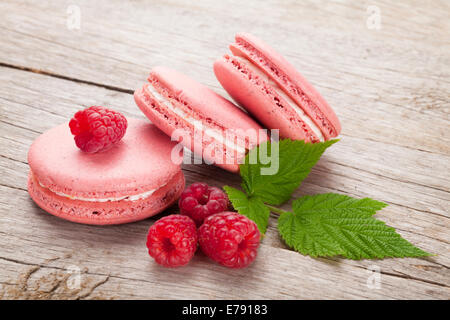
x=97 y=128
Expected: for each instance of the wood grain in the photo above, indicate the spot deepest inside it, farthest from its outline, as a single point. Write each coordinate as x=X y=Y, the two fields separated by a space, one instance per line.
x=389 y=87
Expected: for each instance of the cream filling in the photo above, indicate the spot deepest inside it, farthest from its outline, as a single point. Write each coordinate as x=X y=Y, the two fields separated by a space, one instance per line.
x=133 y=197
x=198 y=125
x=305 y=118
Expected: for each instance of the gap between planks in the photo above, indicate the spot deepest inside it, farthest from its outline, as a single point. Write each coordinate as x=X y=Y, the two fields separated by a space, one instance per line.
x=58 y=76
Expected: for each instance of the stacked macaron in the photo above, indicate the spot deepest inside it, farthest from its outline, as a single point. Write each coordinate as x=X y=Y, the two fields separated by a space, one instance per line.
x=270 y=88
x=128 y=180
x=203 y=121
x=261 y=81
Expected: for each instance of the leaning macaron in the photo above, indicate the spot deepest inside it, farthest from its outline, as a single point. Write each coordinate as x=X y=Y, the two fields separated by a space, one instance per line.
x=197 y=117
x=270 y=88
x=134 y=179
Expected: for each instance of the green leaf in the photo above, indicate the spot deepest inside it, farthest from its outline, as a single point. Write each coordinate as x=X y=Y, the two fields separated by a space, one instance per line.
x=332 y=224
x=273 y=175
x=251 y=207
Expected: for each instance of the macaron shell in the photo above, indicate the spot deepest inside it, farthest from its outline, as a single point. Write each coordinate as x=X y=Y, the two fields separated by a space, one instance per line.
x=141 y=161
x=203 y=101
x=288 y=78
x=182 y=97
x=259 y=99
x=168 y=122
x=106 y=213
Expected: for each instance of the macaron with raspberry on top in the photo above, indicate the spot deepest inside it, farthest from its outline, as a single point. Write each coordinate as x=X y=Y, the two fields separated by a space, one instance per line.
x=116 y=171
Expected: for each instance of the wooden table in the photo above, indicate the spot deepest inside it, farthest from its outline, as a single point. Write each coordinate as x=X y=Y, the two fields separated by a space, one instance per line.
x=389 y=83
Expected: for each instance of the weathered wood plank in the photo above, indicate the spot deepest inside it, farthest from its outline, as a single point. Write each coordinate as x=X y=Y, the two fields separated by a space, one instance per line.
x=118 y=252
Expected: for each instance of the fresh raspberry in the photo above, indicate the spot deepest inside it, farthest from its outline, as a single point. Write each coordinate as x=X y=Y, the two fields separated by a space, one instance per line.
x=199 y=201
x=172 y=240
x=230 y=239
x=97 y=128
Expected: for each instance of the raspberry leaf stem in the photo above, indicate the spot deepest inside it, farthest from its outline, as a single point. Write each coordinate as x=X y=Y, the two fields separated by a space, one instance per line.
x=275 y=209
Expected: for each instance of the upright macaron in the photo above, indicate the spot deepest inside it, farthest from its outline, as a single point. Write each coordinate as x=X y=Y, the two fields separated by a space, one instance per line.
x=202 y=120
x=274 y=92
x=134 y=179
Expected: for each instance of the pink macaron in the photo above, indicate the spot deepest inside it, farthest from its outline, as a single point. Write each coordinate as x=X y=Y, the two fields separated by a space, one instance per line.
x=133 y=180
x=274 y=92
x=197 y=117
